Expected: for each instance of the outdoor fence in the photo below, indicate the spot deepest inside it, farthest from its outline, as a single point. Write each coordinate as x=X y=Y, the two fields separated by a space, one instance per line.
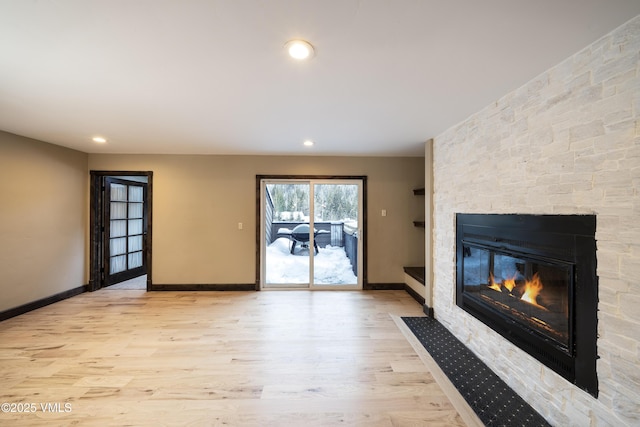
x=268 y=217
x=339 y=236
x=351 y=249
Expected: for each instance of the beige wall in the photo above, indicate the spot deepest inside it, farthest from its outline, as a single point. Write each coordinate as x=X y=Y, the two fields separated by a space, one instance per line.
x=199 y=200
x=43 y=220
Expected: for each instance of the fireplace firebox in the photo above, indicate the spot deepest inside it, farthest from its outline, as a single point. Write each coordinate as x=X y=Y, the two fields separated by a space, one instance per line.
x=532 y=278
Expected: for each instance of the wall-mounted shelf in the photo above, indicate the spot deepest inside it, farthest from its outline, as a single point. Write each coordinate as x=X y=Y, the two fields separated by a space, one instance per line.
x=417 y=273
x=419 y=192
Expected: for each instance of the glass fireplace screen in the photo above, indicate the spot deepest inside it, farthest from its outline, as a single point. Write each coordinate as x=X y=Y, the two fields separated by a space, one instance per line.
x=535 y=293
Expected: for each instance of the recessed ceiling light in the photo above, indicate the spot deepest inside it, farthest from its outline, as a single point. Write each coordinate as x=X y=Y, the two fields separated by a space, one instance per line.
x=299 y=49
x=99 y=139
x=308 y=143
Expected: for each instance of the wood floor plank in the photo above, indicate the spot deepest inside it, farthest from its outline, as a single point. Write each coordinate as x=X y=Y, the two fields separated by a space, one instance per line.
x=128 y=357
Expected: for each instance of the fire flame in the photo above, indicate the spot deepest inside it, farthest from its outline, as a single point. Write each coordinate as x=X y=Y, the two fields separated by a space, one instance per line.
x=510 y=283
x=507 y=283
x=531 y=289
x=493 y=285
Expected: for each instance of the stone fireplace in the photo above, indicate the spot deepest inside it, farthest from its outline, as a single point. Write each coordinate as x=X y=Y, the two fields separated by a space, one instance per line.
x=566 y=143
x=532 y=279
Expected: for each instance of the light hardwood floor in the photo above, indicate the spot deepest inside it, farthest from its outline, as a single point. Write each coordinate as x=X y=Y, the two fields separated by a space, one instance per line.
x=128 y=357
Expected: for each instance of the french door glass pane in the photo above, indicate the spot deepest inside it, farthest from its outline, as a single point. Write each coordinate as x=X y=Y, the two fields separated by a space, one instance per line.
x=135 y=210
x=118 y=228
x=135 y=243
x=118 y=192
x=135 y=226
x=135 y=260
x=118 y=246
x=118 y=264
x=135 y=193
x=118 y=210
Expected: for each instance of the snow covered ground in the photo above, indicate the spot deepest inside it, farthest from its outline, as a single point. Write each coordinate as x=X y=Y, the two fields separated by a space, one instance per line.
x=331 y=265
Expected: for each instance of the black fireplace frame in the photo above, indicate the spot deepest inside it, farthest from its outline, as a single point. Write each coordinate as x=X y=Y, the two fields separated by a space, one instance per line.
x=558 y=238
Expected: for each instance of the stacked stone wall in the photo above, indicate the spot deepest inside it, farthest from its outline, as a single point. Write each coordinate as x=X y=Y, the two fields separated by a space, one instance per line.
x=568 y=142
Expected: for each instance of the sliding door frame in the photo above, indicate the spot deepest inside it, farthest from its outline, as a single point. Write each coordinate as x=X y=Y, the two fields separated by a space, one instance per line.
x=260 y=231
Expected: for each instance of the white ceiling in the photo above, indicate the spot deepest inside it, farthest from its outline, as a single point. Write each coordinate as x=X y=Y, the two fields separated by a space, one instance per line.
x=212 y=77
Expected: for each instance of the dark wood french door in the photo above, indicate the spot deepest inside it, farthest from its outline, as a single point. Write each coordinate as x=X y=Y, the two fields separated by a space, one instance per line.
x=124 y=230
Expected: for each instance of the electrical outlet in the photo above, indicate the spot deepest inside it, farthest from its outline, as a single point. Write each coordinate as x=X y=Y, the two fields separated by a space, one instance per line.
x=384 y=212
x=239 y=226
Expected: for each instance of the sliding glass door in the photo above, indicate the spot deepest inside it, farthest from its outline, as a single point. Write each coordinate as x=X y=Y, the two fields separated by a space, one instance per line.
x=311 y=236
x=336 y=207
x=287 y=260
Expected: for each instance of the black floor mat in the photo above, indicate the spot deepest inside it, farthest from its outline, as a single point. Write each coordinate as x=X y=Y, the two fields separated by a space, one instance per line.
x=491 y=398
